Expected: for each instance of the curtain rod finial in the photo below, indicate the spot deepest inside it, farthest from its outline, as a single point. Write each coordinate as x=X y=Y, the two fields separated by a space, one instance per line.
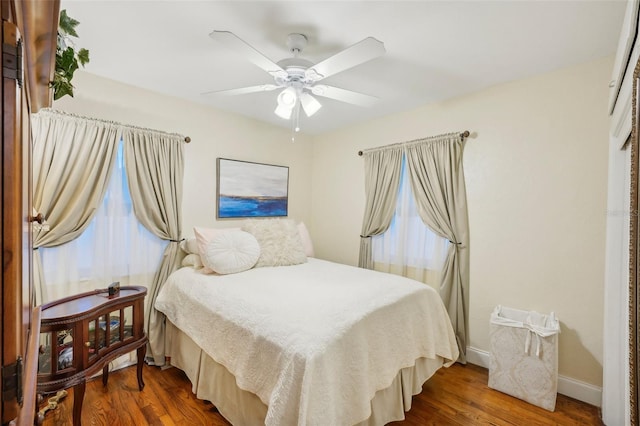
x=187 y=139
x=360 y=153
x=465 y=134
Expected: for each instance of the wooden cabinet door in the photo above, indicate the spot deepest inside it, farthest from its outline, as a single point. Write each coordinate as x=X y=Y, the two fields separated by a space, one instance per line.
x=32 y=25
x=17 y=303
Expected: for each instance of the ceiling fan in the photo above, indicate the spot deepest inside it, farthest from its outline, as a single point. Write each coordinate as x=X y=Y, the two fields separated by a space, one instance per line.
x=298 y=78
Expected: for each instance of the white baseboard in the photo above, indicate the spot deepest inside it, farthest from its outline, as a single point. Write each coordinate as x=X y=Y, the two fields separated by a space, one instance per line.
x=573 y=388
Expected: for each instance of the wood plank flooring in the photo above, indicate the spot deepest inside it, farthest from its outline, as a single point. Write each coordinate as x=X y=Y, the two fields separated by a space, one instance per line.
x=454 y=396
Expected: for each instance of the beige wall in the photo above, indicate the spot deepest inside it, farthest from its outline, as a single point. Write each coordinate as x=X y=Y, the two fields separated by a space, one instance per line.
x=536 y=173
x=213 y=133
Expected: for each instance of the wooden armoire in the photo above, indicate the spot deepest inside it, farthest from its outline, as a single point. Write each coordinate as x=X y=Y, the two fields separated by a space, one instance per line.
x=29 y=34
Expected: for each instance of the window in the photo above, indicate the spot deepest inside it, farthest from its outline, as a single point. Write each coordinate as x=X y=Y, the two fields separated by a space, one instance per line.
x=408 y=242
x=114 y=247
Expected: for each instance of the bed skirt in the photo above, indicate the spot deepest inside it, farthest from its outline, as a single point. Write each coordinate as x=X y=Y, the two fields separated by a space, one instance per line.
x=213 y=382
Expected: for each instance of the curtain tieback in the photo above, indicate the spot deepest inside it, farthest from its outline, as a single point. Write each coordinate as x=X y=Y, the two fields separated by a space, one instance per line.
x=177 y=241
x=458 y=245
x=365 y=236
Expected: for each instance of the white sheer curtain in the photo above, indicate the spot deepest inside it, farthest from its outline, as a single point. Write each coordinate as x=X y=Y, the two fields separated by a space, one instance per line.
x=114 y=247
x=409 y=248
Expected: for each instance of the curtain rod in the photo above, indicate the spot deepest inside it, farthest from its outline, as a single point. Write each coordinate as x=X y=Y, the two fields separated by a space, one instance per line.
x=463 y=135
x=52 y=111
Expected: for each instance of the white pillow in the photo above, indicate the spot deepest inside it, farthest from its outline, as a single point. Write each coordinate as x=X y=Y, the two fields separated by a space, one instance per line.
x=279 y=240
x=306 y=240
x=192 y=260
x=204 y=236
x=231 y=252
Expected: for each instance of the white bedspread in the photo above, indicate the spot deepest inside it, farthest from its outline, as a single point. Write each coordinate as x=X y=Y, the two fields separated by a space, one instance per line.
x=313 y=341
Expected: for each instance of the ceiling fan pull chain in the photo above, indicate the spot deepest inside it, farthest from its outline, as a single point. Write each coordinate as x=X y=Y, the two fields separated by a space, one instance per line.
x=295 y=122
x=297 y=128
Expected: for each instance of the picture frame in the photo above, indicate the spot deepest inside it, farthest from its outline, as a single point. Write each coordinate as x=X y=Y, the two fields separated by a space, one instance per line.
x=246 y=189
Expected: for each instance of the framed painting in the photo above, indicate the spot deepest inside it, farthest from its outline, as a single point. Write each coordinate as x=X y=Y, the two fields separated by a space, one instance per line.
x=246 y=189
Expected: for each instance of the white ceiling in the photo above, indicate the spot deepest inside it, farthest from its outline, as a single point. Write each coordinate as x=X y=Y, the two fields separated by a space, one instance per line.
x=435 y=50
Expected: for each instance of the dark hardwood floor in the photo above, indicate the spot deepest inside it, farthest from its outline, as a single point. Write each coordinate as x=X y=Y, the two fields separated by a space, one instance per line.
x=454 y=396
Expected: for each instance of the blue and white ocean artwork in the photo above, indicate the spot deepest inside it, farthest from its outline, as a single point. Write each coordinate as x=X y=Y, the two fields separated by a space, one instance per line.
x=251 y=189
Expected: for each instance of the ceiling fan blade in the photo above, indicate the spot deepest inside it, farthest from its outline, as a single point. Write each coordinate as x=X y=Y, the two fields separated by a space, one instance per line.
x=343 y=95
x=359 y=53
x=235 y=43
x=243 y=90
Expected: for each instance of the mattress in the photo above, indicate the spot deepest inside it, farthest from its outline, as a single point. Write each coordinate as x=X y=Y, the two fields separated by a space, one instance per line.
x=314 y=342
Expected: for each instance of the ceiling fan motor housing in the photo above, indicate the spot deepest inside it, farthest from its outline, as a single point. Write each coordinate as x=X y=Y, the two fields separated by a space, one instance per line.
x=296 y=73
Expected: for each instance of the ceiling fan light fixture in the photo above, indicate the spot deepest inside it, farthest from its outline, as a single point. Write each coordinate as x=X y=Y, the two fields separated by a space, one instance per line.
x=309 y=104
x=288 y=98
x=283 y=112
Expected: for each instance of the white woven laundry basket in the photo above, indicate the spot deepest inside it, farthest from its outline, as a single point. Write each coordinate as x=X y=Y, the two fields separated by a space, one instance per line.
x=523 y=360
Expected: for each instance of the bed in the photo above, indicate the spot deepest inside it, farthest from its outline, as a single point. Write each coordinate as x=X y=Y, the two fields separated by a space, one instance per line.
x=271 y=335
x=317 y=343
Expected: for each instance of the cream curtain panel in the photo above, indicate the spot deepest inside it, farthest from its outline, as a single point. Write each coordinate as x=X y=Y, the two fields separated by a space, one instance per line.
x=437 y=179
x=72 y=161
x=382 y=178
x=155 y=168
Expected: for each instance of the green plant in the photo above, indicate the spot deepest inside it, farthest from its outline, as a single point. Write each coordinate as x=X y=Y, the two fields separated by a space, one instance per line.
x=67 y=58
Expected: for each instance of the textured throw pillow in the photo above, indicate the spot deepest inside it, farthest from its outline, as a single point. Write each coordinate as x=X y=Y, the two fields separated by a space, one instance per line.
x=190 y=245
x=231 y=252
x=306 y=240
x=279 y=240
